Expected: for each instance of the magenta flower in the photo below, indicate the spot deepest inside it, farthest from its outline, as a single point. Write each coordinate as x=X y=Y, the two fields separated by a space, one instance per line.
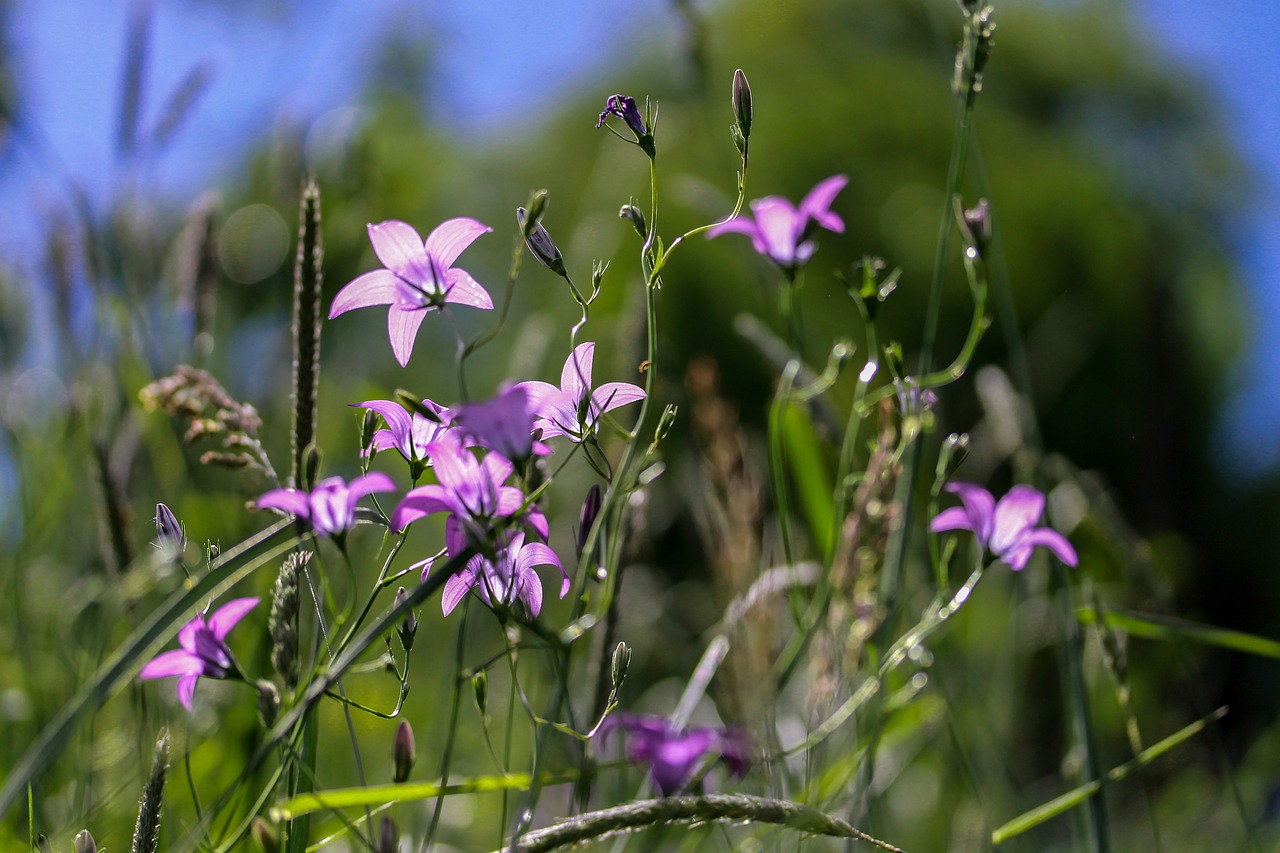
x=573 y=410
x=672 y=754
x=1006 y=529
x=407 y=432
x=781 y=232
x=474 y=494
x=419 y=277
x=504 y=424
x=329 y=508
x=204 y=650
x=509 y=578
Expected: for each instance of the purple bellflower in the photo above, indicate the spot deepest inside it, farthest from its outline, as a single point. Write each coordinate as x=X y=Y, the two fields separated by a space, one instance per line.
x=472 y=492
x=573 y=410
x=1006 y=529
x=204 y=650
x=504 y=424
x=508 y=578
x=329 y=508
x=407 y=432
x=673 y=754
x=625 y=108
x=781 y=232
x=419 y=277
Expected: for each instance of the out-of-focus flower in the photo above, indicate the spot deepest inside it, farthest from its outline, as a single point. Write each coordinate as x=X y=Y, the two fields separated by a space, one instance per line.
x=673 y=754
x=625 y=108
x=573 y=409
x=204 y=650
x=419 y=277
x=782 y=232
x=403 y=752
x=508 y=578
x=504 y=424
x=407 y=432
x=329 y=508
x=1006 y=529
x=472 y=492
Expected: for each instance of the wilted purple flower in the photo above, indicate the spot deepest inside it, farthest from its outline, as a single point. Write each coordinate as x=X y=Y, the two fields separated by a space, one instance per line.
x=504 y=424
x=204 y=650
x=625 y=108
x=673 y=754
x=573 y=409
x=472 y=492
x=329 y=508
x=509 y=578
x=781 y=232
x=1005 y=529
x=419 y=277
x=407 y=432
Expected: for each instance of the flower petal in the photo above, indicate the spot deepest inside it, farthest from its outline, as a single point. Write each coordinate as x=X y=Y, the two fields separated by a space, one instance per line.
x=530 y=592
x=740 y=225
x=176 y=662
x=454 y=589
x=980 y=506
x=779 y=226
x=400 y=249
x=952 y=518
x=817 y=204
x=293 y=501
x=451 y=237
x=611 y=395
x=398 y=420
x=462 y=289
x=419 y=502
x=374 y=481
x=187 y=689
x=575 y=376
x=402 y=329
x=226 y=616
x=380 y=287
x=1015 y=514
x=1051 y=539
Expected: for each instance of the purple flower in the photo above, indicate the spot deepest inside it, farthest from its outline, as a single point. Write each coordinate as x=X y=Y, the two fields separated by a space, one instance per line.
x=625 y=108
x=419 y=277
x=472 y=492
x=673 y=754
x=329 y=508
x=407 y=432
x=1005 y=529
x=780 y=232
x=507 y=579
x=204 y=650
x=573 y=409
x=504 y=424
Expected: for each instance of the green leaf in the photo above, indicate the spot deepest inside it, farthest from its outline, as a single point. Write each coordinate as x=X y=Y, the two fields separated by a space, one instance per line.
x=1154 y=627
x=811 y=474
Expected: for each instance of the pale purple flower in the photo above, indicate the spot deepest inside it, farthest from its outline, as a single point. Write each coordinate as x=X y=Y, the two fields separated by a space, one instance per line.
x=472 y=491
x=781 y=232
x=407 y=432
x=419 y=277
x=204 y=650
x=1006 y=529
x=504 y=424
x=573 y=409
x=673 y=754
x=508 y=578
x=330 y=508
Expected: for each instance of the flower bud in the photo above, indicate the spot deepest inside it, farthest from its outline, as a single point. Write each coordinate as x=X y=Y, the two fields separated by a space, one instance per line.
x=537 y=207
x=625 y=108
x=84 y=842
x=632 y=213
x=587 y=518
x=409 y=627
x=368 y=428
x=741 y=100
x=540 y=243
x=171 y=540
x=621 y=662
x=403 y=753
x=480 y=689
x=388 y=836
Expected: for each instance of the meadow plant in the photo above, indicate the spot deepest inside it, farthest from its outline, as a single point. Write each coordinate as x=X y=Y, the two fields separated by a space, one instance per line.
x=818 y=577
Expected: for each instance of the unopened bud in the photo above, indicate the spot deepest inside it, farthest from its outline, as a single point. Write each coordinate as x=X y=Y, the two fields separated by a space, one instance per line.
x=311 y=459
x=268 y=839
x=84 y=842
x=633 y=214
x=480 y=689
x=268 y=702
x=540 y=243
x=621 y=662
x=388 y=836
x=409 y=627
x=368 y=428
x=403 y=753
x=587 y=518
x=537 y=207
x=171 y=540
x=741 y=101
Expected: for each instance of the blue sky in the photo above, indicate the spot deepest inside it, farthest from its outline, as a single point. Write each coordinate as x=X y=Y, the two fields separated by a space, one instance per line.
x=269 y=61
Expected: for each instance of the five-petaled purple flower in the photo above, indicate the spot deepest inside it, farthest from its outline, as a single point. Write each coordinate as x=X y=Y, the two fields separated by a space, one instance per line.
x=781 y=232
x=472 y=492
x=204 y=650
x=419 y=277
x=511 y=577
x=573 y=409
x=674 y=754
x=1006 y=529
x=329 y=508
x=407 y=432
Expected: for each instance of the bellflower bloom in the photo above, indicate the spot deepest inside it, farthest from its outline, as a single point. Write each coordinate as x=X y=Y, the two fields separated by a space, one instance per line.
x=419 y=277
x=782 y=232
x=473 y=494
x=204 y=650
x=329 y=508
x=673 y=754
x=407 y=432
x=1006 y=529
x=508 y=578
x=504 y=424
x=625 y=108
x=573 y=409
